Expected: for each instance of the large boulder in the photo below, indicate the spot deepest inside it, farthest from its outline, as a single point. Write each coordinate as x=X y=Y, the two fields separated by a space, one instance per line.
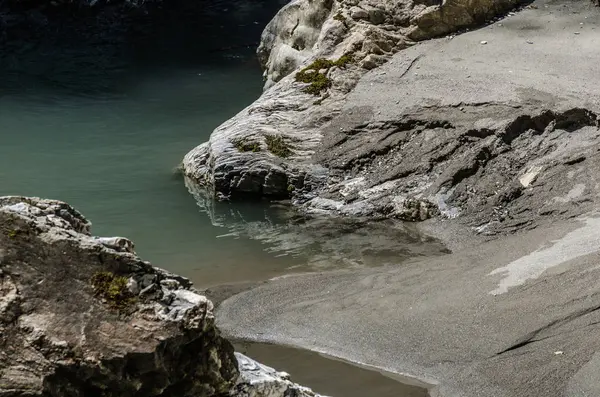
x=84 y=316
x=313 y=53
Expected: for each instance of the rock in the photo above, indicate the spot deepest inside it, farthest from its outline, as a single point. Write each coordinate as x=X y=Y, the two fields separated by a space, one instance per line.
x=458 y=150
x=84 y=316
x=414 y=210
x=258 y=380
x=358 y=13
x=304 y=31
x=288 y=40
x=62 y=336
x=376 y=16
x=440 y=19
x=371 y=61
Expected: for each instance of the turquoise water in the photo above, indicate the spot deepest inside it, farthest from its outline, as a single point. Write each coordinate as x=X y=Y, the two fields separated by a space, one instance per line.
x=101 y=116
x=113 y=159
x=103 y=127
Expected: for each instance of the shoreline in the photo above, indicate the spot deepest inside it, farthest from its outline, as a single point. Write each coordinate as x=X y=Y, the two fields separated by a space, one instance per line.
x=332 y=315
x=401 y=379
x=474 y=129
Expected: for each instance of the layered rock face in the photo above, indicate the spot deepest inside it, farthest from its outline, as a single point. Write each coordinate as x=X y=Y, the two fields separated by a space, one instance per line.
x=84 y=316
x=267 y=148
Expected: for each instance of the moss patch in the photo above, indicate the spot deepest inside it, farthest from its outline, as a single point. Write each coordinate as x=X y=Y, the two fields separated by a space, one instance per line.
x=113 y=289
x=243 y=145
x=344 y=60
x=319 y=81
x=277 y=146
x=339 y=17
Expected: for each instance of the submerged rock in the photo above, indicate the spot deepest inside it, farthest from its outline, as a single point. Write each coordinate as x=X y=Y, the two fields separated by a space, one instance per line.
x=84 y=316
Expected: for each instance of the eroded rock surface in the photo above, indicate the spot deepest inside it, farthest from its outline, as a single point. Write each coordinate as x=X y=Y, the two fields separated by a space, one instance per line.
x=145 y=332
x=465 y=126
x=60 y=338
x=238 y=158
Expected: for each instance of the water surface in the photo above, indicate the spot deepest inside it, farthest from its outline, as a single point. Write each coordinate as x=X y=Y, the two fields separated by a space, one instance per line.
x=99 y=114
x=329 y=376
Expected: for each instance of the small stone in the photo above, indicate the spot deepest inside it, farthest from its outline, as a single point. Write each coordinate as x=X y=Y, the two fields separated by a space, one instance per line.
x=558 y=353
x=576 y=32
x=133 y=286
x=529 y=42
x=483 y=42
x=170 y=284
x=357 y=13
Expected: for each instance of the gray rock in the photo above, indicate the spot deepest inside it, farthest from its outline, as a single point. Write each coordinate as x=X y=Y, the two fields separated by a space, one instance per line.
x=429 y=127
x=376 y=16
x=144 y=333
x=300 y=33
x=61 y=336
x=358 y=13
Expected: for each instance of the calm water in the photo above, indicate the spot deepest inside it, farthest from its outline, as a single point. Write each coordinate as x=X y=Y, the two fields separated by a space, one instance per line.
x=328 y=376
x=102 y=126
x=100 y=115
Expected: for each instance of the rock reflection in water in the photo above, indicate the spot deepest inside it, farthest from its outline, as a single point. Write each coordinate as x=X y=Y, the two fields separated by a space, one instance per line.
x=324 y=242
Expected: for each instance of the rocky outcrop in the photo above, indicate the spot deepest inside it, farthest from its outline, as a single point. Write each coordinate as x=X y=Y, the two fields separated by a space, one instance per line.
x=479 y=135
x=456 y=126
x=84 y=316
x=355 y=36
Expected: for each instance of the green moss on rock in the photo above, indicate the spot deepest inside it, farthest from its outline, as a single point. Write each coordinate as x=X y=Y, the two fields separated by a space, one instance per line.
x=243 y=145
x=277 y=145
x=339 y=17
x=113 y=289
x=317 y=80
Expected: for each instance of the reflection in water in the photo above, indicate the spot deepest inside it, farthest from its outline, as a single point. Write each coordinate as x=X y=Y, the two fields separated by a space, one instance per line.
x=321 y=242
